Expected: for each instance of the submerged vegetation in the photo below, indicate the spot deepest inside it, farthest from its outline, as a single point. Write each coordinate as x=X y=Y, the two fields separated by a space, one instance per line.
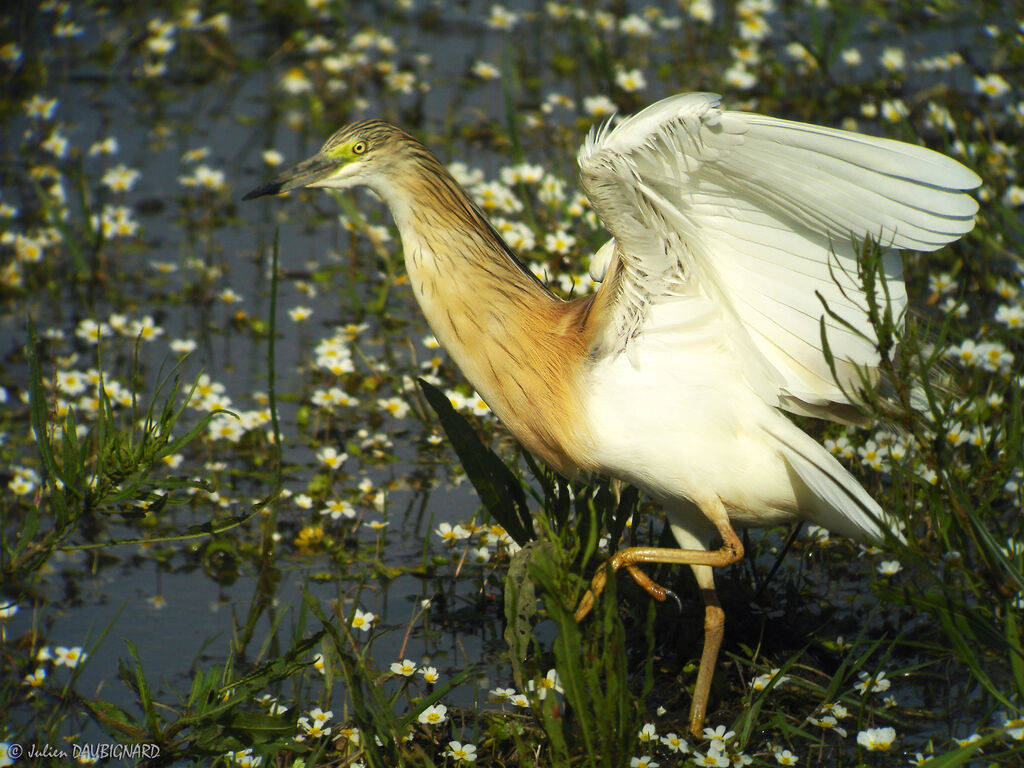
x=235 y=462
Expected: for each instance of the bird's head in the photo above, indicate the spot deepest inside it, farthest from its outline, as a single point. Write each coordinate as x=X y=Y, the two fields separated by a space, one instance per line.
x=360 y=153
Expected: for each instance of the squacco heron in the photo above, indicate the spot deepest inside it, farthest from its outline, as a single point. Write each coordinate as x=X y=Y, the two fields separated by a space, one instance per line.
x=726 y=229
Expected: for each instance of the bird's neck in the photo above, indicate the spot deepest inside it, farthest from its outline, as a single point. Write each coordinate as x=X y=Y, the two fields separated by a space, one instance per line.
x=522 y=348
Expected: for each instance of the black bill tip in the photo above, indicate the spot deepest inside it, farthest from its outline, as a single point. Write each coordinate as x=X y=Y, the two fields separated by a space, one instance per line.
x=270 y=188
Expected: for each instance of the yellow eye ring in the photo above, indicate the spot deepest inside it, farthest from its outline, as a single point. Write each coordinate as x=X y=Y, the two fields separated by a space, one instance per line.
x=358 y=148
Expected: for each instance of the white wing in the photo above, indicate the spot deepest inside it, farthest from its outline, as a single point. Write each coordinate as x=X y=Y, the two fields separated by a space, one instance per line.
x=757 y=215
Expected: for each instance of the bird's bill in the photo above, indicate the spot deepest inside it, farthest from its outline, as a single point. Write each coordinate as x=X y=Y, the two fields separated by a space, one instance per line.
x=306 y=173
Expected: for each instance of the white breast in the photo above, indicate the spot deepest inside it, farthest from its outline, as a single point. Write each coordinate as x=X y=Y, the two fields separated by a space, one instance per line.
x=673 y=414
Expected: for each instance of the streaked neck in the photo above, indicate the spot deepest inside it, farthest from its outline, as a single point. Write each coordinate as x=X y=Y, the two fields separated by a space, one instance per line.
x=522 y=348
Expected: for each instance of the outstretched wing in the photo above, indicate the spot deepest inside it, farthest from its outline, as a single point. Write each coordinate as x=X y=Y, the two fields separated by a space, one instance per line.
x=756 y=217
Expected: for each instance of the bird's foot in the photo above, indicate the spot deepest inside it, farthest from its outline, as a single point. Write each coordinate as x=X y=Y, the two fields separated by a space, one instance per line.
x=649 y=586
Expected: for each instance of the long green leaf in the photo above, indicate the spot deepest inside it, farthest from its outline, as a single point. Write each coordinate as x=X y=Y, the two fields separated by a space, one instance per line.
x=142 y=688
x=499 y=489
x=199 y=530
x=38 y=411
x=521 y=606
x=113 y=719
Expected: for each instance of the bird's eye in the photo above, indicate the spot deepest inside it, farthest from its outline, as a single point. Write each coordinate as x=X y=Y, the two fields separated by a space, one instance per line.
x=358 y=148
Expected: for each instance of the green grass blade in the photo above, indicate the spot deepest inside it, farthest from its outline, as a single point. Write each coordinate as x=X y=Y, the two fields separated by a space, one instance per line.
x=499 y=489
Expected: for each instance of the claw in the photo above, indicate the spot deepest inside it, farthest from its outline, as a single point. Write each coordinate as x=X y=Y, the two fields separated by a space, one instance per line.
x=674 y=596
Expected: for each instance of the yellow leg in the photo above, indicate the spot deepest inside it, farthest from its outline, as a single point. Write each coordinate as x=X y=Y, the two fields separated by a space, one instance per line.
x=714 y=628
x=730 y=552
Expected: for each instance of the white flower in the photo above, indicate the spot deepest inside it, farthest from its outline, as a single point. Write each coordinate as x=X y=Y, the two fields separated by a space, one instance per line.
x=452 y=534
x=894 y=110
x=338 y=509
x=1010 y=315
x=712 y=759
x=702 y=10
x=877 y=739
x=433 y=715
x=873 y=455
x=21 y=486
x=396 y=406
x=719 y=737
x=211 y=178
x=498 y=695
x=559 y=242
x=1015 y=728
x=69 y=657
x=485 y=70
x=319 y=716
x=754 y=27
x=363 y=620
x=648 y=733
x=40 y=106
x=889 y=567
x=56 y=144
x=675 y=743
x=1013 y=196
x=315 y=729
x=36 y=678
x=330 y=457
x=501 y=18
x=738 y=76
x=547 y=683
x=245 y=758
x=761 y=682
x=893 y=59
x=351 y=734
x=295 y=82
x=851 y=57
x=90 y=331
x=145 y=329
x=462 y=752
x=992 y=85
x=827 y=722
x=598 y=106
x=635 y=26
x=836 y=710
x=272 y=157
x=877 y=684
x=631 y=80
x=120 y=178
x=785 y=757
